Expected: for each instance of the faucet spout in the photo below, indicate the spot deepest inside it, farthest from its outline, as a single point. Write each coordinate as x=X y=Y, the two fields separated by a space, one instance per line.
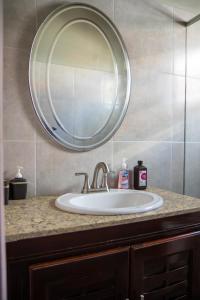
x=94 y=186
x=104 y=185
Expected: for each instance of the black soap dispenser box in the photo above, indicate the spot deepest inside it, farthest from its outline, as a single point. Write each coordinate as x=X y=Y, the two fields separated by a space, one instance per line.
x=18 y=186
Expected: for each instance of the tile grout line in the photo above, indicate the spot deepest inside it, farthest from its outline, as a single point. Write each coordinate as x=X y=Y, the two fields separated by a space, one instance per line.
x=114 y=10
x=17 y=48
x=36 y=16
x=172 y=83
x=172 y=96
x=35 y=133
x=113 y=141
x=185 y=113
x=171 y=166
x=193 y=77
x=35 y=165
x=19 y=141
x=173 y=32
x=112 y=154
x=150 y=141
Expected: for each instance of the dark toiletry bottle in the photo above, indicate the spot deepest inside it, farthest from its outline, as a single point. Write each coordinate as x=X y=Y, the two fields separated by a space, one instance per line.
x=18 y=186
x=6 y=192
x=140 y=176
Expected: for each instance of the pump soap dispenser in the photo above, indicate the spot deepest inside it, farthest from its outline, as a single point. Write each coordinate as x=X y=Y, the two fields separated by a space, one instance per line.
x=18 y=186
x=123 y=181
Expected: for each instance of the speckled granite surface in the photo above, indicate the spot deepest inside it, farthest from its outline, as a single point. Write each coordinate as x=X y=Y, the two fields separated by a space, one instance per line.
x=37 y=217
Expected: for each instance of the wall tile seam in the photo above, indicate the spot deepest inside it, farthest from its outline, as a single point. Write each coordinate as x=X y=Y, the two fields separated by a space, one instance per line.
x=36 y=17
x=150 y=141
x=35 y=168
x=174 y=72
x=18 y=141
x=154 y=72
x=171 y=169
x=185 y=110
x=111 y=142
x=173 y=34
x=196 y=142
x=173 y=112
x=112 y=155
x=179 y=75
x=135 y=69
x=114 y=16
x=193 y=77
x=171 y=9
x=17 y=48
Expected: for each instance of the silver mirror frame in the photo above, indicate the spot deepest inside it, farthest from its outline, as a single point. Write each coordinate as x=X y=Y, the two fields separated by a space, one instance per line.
x=41 y=114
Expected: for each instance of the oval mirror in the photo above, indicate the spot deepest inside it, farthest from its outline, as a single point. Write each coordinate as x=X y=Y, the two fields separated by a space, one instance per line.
x=79 y=77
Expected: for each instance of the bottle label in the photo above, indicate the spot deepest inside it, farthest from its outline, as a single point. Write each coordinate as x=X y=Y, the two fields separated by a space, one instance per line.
x=124 y=180
x=143 y=178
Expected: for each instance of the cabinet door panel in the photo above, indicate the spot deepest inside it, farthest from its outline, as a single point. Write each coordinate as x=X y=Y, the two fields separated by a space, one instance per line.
x=99 y=276
x=166 y=269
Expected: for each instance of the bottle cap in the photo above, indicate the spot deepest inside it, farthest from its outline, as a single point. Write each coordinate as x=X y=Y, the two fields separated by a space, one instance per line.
x=124 y=163
x=19 y=174
x=140 y=162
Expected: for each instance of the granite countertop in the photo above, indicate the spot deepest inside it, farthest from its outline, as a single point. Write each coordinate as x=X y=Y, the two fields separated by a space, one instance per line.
x=36 y=217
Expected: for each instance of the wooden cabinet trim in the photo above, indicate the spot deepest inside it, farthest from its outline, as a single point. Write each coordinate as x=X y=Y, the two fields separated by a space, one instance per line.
x=82 y=277
x=74 y=259
x=162 y=241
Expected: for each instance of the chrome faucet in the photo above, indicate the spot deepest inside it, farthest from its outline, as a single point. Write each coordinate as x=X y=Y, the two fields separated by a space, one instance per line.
x=86 y=185
x=94 y=186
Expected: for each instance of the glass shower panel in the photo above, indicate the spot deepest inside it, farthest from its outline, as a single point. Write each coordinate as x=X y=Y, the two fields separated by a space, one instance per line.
x=192 y=130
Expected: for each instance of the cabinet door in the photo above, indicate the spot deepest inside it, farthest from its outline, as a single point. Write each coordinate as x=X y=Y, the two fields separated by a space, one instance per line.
x=99 y=276
x=166 y=269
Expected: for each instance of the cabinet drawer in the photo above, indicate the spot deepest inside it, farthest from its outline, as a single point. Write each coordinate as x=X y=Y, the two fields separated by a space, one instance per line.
x=99 y=276
x=165 y=269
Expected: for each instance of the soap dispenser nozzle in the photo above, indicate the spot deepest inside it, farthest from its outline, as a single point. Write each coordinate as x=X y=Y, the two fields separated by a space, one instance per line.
x=19 y=174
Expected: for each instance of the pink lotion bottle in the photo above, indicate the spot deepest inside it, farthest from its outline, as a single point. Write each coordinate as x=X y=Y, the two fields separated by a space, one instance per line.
x=123 y=181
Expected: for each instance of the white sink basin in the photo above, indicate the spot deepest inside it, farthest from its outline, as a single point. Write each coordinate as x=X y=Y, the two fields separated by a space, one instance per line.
x=116 y=202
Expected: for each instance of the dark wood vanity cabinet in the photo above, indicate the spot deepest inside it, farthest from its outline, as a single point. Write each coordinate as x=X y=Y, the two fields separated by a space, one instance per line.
x=166 y=269
x=152 y=260
x=98 y=276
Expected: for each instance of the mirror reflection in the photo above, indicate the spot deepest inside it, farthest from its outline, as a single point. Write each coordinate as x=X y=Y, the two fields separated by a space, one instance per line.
x=72 y=68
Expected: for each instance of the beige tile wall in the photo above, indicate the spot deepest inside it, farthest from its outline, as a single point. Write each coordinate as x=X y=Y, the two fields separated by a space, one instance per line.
x=153 y=127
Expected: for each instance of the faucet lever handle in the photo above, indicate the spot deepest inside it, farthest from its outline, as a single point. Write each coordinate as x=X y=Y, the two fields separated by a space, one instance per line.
x=81 y=173
x=86 y=185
